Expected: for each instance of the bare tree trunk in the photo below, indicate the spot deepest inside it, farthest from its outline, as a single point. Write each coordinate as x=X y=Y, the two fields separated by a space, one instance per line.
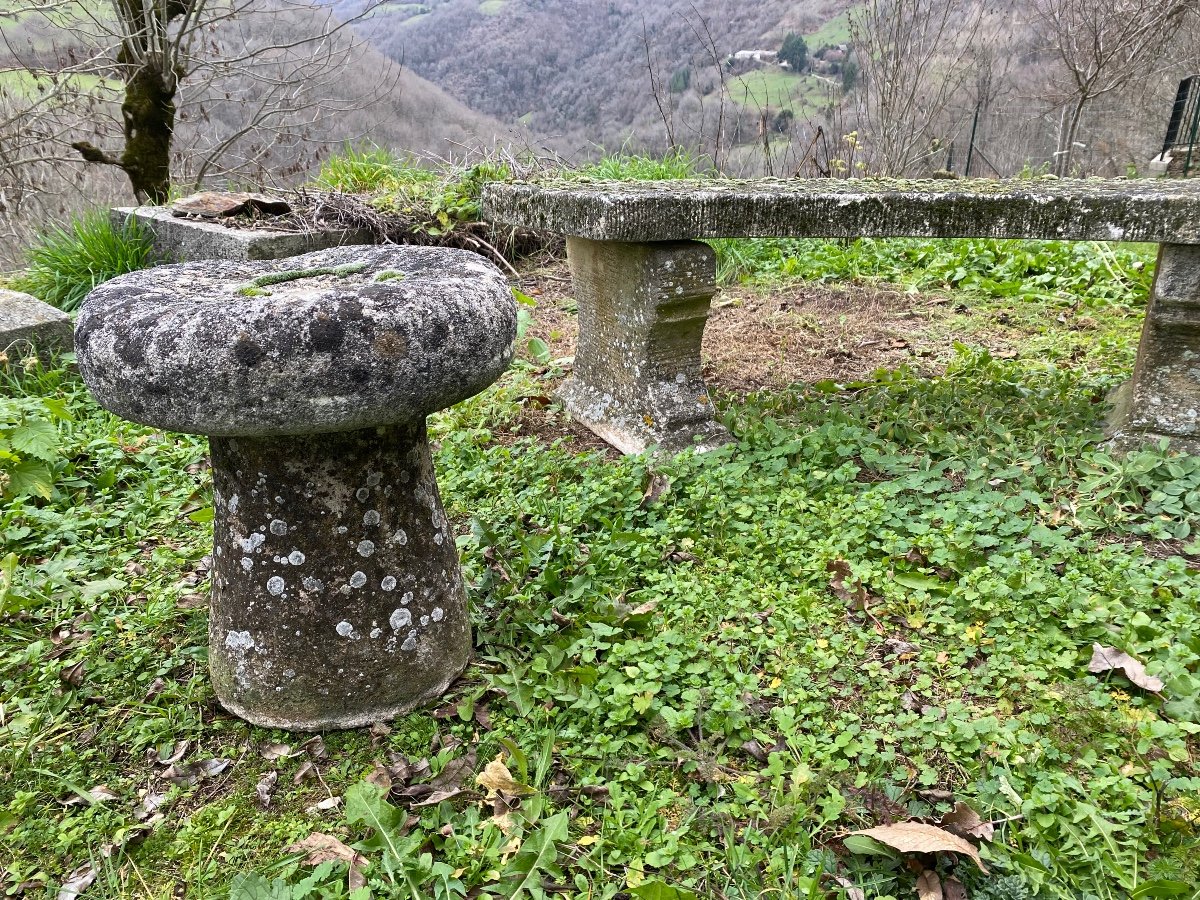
x=1066 y=137
x=148 y=112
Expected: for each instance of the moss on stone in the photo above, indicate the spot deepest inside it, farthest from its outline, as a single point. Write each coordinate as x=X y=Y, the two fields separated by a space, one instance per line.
x=253 y=287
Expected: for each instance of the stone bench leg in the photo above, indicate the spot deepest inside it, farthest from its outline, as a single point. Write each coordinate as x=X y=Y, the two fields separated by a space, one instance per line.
x=337 y=598
x=642 y=309
x=1163 y=397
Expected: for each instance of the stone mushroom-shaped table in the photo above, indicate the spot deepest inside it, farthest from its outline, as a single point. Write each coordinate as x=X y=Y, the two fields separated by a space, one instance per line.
x=337 y=597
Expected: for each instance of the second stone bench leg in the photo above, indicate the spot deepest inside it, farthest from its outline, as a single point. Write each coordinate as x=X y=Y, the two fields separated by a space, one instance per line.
x=1162 y=399
x=642 y=309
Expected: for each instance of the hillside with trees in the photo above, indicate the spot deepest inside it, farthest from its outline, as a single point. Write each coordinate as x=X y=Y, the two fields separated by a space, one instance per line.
x=271 y=92
x=705 y=75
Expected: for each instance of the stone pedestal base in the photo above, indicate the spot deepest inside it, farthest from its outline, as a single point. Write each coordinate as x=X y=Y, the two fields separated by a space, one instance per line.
x=642 y=310
x=1162 y=400
x=337 y=597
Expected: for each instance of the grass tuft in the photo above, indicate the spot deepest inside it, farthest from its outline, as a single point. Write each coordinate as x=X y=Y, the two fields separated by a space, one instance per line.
x=672 y=166
x=66 y=263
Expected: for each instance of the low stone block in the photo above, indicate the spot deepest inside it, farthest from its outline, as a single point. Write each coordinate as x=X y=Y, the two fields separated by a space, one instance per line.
x=26 y=322
x=183 y=240
x=337 y=597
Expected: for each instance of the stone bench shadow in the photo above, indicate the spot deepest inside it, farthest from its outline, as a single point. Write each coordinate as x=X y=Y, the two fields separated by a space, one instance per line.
x=644 y=280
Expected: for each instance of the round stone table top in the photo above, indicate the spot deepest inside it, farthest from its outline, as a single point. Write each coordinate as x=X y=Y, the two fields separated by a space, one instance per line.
x=335 y=340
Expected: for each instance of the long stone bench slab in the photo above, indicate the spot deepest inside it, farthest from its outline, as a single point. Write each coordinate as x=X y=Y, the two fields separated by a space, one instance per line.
x=644 y=282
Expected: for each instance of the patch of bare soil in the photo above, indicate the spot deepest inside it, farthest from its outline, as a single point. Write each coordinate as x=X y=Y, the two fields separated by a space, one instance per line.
x=771 y=338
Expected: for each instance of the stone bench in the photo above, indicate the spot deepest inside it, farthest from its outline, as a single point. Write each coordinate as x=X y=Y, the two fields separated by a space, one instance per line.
x=643 y=280
x=337 y=597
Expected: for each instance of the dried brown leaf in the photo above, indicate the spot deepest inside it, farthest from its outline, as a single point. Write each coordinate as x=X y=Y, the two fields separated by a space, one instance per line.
x=325 y=805
x=150 y=802
x=482 y=716
x=77 y=882
x=852 y=892
x=964 y=821
x=929 y=886
x=953 y=889
x=306 y=770
x=315 y=748
x=101 y=793
x=272 y=752
x=379 y=733
x=211 y=768
x=181 y=774
x=156 y=688
x=381 y=777
x=174 y=755
x=917 y=837
x=265 y=789
x=73 y=675
x=1106 y=659
x=496 y=778
x=456 y=771
x=656 y=486
x=321 y=848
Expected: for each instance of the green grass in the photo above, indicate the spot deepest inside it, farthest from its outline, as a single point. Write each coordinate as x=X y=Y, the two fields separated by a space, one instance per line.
x=66 y=263
x=834 y=32
x=687 y=677
x=22 y=83
x=625 y=166
x=775 y=89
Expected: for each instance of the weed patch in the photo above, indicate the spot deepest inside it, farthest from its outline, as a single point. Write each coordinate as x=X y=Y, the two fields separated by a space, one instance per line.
x=695 y=677
x=66 y=263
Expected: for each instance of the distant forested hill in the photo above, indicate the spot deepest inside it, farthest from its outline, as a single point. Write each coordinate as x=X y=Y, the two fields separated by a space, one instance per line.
x=576 y=70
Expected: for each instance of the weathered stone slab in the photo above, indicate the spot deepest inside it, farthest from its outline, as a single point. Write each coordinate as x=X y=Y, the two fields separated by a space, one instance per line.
x=26 y=322
x=182 y=240
x=1094 y=209
x=337 y=597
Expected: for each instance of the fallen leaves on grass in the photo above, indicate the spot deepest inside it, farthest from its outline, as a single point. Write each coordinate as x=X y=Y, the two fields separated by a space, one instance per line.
x=101 y=793
x=448 y=783
x=917 y=837
x=656 y=486
x=77 y=882
x=496 y=778
x=1108 y=659
x=324 y=806
x=265 y=789
x=929 y=886
x=272 y=752
x=72 y=676
x=321 y=848
x=965 y=822
x=188 y=774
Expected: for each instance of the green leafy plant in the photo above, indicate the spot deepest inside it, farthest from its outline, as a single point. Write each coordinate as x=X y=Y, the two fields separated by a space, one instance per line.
x=65 y=264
